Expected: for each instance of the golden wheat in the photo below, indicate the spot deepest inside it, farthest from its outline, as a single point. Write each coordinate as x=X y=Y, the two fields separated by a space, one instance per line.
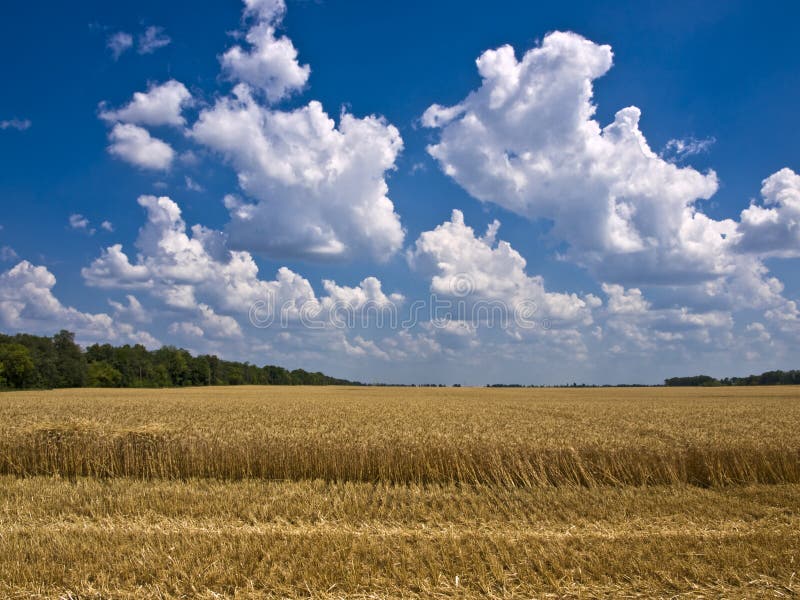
x=505 y=437
x=385 y=493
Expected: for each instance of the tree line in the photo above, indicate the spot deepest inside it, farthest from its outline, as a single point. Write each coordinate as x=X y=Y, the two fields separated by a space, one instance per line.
x=766 y=378
x=39 y=362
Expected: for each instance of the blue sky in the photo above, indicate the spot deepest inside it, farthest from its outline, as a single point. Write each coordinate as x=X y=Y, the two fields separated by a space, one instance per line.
x=630 y=242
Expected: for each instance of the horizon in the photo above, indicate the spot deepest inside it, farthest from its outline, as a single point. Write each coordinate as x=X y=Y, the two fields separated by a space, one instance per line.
x=448 y=194
x=109 y=367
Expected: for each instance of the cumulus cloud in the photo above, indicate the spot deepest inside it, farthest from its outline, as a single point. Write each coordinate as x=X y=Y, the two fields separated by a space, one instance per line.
x=321 y=189
x=194 y=269
x=625 y=302
x=209 y=292
x=774 y=228
x=527 y=139
x=27 y=303
x=315 y=189
x=270 y=63
x=207 y=324
x=783 y=322
x=206 y=292
x=464 y=265
x=632 y=325
x=369 y=291
x=107 y=226
x=758 y=331
x=114 y=270
x=136 y=146
x=361 y=307
x=186 y=269
x=151 y=39
x=186 y=329
x=159 y=105
x=119 y=43
x=78 y=221
x=219 y=326
x=132 y=311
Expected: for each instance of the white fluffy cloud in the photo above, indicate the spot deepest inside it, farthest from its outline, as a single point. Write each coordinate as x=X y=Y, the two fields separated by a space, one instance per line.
x=582 y=331
x=207 y=324
x=315 y=189
x=321 y=190
x=27 y=303
x=270 y=63
x=132 y=311
x=186 y=329
x=188 y=271
x=773 y=229
x=625 y=302
x=527 y=139
x=463 y=265
x=114 y=270
x=159 y=105
x=368 y=293
x=136 y=146
x=632 y=325
x=192 y=273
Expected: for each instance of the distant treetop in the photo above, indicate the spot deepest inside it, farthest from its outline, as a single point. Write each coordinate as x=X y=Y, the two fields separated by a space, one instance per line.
x=37 y=362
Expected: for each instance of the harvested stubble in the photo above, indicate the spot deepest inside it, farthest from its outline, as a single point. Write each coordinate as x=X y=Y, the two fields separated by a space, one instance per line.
x=387 y=493
x=203 y=538
x=702 y=437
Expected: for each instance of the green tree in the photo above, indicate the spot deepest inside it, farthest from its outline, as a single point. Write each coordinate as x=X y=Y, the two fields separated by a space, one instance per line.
x=696 y=380
x=102 y=374
x=59 y=362
x=16 y=365
x=200 y=370
x=160 y=377
x=70 y=361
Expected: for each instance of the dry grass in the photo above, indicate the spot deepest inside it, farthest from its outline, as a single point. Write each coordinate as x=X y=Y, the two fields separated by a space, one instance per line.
x=373 y=493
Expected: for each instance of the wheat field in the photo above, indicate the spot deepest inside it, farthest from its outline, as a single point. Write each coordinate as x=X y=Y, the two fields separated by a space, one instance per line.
x=400 y=492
